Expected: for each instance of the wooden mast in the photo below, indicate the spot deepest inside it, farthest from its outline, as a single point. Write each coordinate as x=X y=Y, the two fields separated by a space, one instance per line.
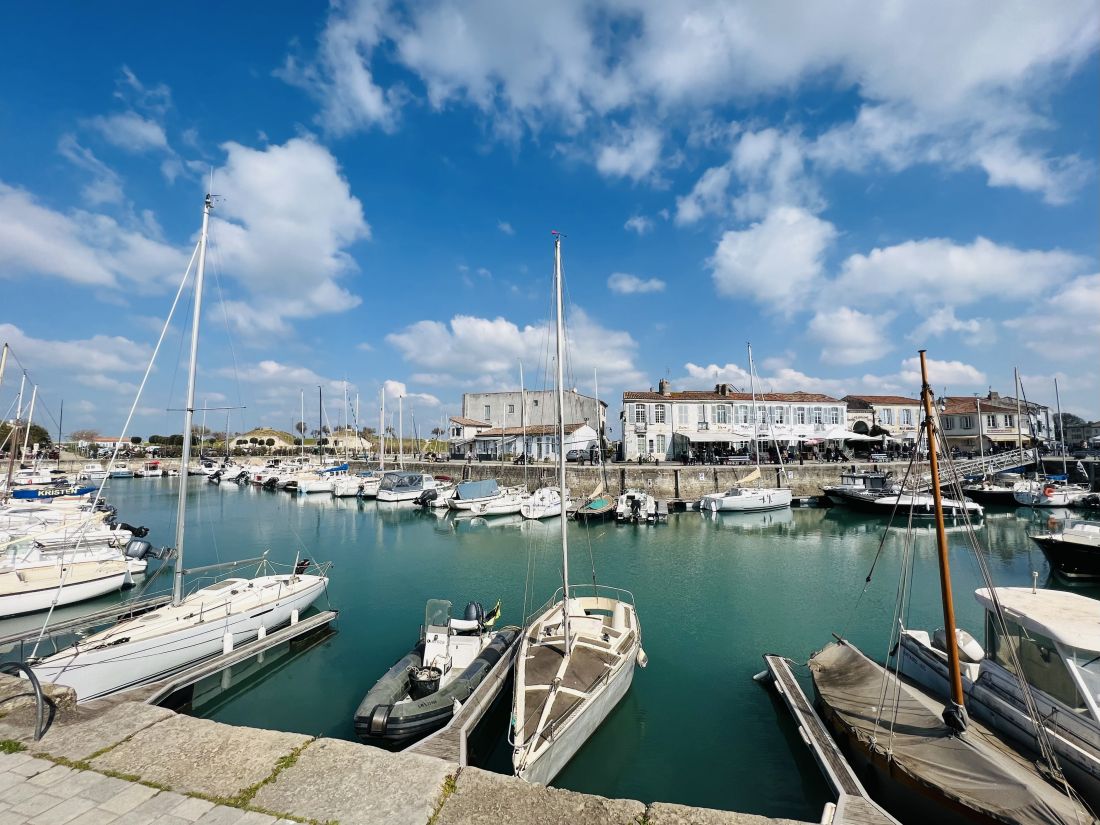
x=954 y=714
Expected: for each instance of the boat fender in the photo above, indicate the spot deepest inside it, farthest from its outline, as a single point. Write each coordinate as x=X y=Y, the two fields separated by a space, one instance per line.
x=641 y=658
x=379 y=719
x=970 y=651
x=1048 y=491
x=137 y=532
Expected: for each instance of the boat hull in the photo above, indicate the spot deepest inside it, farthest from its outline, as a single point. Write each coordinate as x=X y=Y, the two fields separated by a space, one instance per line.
x=32 y=601
x=750 y=501
x=1076 y=562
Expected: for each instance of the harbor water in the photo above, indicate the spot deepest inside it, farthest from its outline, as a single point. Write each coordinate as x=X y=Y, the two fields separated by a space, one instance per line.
x=714 y=593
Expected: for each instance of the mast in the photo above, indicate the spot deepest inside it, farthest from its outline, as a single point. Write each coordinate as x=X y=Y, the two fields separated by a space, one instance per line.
x=34 y=395
x=981 y=440
x=599 y=427
x=382 y=433
x=302 y=434
x=60 y=418
x=320 y=423
x=226 y=437
x=1057 y=401
x=401 y=432
x=1019 y=431
x=560 y=335
x=752 y=389
x=189 y=406
x=3 y=363
x=345 y=420
x=523 y=428
x=19 y=403
x=954 y=715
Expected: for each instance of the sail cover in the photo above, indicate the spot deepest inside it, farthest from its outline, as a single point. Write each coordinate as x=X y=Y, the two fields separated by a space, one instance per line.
x=889 y=717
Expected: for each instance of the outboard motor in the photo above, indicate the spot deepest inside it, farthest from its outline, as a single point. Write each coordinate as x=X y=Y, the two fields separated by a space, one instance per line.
x=423 y=681
x=215 y=477
x=137 y=549
x=474 y=613
x=635 y=508
x=242 y=477
x=270 y=483
x=301 y=566
x=426 y=497
x=136 y=532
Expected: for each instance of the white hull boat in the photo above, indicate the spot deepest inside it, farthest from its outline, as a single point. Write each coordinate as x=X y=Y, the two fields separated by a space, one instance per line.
x=746 y=500
x=30 y=588
x=347 y=486
x=506 y=505
x=1047 y=494
x=121 y=469
x=639 y=507
x=545 y=502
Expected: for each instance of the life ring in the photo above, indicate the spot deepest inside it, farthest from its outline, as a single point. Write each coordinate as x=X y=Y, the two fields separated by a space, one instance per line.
x=1048 y=491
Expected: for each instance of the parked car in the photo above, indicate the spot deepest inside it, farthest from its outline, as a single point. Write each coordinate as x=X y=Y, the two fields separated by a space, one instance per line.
x=576 y=455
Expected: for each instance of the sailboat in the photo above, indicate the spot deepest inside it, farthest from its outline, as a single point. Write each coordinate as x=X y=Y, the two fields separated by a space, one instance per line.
x=599 y=505
x=193 y=627
x=741 y=498
x=922 y=753
x=576 y=658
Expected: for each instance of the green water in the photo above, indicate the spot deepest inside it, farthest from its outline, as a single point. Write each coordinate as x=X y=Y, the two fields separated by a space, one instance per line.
x=713 y=595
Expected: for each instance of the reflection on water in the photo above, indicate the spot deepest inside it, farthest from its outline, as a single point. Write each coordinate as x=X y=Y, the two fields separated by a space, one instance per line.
x=714 y=592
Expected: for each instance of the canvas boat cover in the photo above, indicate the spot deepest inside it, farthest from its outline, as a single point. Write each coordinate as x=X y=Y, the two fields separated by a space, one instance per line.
x=971 y=769
x=468 y=490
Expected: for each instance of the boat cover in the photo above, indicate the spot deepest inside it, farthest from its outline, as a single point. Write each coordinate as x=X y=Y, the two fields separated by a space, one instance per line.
x=467 y=490
x=969 y=769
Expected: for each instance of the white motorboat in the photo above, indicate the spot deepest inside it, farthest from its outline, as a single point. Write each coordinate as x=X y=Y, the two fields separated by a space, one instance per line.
x=1048 y=493
x=639 y=507
x=545 y=502
x=1055 y=637
x=404 y=485
x=746 y=500
x=922 y=504
x=347 y=486
x=576 y=658
x=92 y=472
x=151 y=469
x=121 y=469
x=469 y=493
x=193 y=627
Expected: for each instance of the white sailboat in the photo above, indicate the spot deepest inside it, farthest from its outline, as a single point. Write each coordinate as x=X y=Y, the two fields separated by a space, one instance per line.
x=576 y=659
x=192 y=627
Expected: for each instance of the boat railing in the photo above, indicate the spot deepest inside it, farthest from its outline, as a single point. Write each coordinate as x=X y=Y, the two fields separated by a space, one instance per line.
x=599 y=591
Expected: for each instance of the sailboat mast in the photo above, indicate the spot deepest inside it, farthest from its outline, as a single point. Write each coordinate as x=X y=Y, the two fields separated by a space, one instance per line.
x=227 y=436
x=560 y=335
x=752 y=390
x=34 y=396
x=523 y=426
x=345 y=420
x=189 y=406
x=320 y=422
x=954 y=717
x=302 y=413
x=382 y=433
x=599 y=418
x=1057 y=403
x=1019 y=430
x=400 y=432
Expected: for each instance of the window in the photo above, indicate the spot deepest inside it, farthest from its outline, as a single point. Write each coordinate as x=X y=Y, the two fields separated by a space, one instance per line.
x=743 y=413
x=488 y=412
x=722 y=414
x=799 y=415
x=535 y=403
x=1010 y=421
x=834 y=415
x=991 y=421
x=817 y=416
x=639 y=413
x=780 y=415
x=907 y=417
x=966 y=422
x=886 y=416
x=683 y=414
x=948 y=422
x=761 y=415
x=456 y=432
x=661 y=444
x=511 y=409
x=1042 y=664
x=641 y=445
x=659 y=414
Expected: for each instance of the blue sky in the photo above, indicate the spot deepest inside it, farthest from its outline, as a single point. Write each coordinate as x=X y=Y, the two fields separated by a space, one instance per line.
x=838 y=183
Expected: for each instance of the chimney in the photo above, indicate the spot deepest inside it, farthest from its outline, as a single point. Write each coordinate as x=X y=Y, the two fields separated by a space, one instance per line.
x=993 y=396
x=722 y=389
x=663 y=388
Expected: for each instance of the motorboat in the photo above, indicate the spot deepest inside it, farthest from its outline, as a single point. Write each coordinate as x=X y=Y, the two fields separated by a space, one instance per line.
x=1054 y=637
x=1072 y=551
x=151 y=469
x=445 y=669
x=922 y=505
x=370 y=482
x=997 y=491
x=1049 y=492
x=577 y=655
x=121 y=469
x=857 y=488
x=640 y=507
x=404 y=485
x=92 y=472
x=469 y=493
x=746 y=499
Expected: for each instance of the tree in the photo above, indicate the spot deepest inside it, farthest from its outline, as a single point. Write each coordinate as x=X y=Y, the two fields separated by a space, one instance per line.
x=84 y=435
x=253 y=440
x=39 y=436
x=437 y=432
x=367 y=432
x=270 y=442
x=300 y=427
x=1070 y=420
x=135 y=440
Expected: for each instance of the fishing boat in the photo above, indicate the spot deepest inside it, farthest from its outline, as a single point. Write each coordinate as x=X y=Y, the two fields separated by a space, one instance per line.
x=1072 y=551
x=998 y=491
x=875 y=492
x=1055 y=636
x=191 y=627
x=151 y=469
x=925 y=756
x=857 y=488
x=639 y=507
x=576 y=658
x=446 y=668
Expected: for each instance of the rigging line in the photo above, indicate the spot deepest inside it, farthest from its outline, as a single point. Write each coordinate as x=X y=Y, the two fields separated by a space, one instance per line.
x=212 y=237
x=122 y=435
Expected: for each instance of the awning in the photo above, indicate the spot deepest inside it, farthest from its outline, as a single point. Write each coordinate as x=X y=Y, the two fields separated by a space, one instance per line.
x=859 y=437
x=1003 y=438
x=713 y=438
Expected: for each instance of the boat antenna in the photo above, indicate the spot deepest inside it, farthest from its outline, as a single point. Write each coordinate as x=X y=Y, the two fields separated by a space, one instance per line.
x=189 y=406
x=954 y=714
x=560 y=335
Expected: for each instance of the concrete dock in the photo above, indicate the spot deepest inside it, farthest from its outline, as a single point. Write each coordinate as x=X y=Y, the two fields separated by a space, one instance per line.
x=117 y=762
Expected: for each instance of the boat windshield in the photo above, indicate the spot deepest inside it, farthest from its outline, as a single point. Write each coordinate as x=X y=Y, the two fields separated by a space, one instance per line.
x=437 y=616
x=1041 y=660
x=1087 y=664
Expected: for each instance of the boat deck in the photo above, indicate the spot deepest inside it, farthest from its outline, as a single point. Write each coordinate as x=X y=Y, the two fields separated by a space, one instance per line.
x=449 y=742
x=854 y=806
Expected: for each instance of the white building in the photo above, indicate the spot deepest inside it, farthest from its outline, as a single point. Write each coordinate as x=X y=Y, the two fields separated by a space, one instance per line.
x=462 y=433
x=534 y=407
x=538 y=442
x=895 y=414
x=993 y=420
x=671 y=425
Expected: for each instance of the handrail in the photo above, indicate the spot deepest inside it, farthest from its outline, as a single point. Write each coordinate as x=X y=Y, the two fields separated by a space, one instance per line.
x=39 y=697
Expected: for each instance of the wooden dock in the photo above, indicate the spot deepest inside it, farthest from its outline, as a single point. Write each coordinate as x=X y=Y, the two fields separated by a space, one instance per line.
x=449 y=742
x=854 y=805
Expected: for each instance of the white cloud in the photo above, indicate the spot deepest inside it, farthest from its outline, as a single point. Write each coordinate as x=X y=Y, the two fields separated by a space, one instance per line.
x=90 y=358
x=960 y=274
x=634 y=154
x=774 y=261
x=105 y=186
x=283 y=230
x=130 y=131
x=396 y=389
x=626 y=284
x=957 y=377
x=1070 y=317
x=506 y=228
x=81 y=247
x=639 y=224
x=1055 y=179
x=707 y=197
x=974 y=331
x=848 y=336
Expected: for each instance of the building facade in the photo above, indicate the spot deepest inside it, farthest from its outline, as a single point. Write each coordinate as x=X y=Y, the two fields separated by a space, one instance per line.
x=461 y=436
x=533 y=407
x=538 y=442
x=977 y=424
x=895 y=415
x=1085 y=434
x=670 y=425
